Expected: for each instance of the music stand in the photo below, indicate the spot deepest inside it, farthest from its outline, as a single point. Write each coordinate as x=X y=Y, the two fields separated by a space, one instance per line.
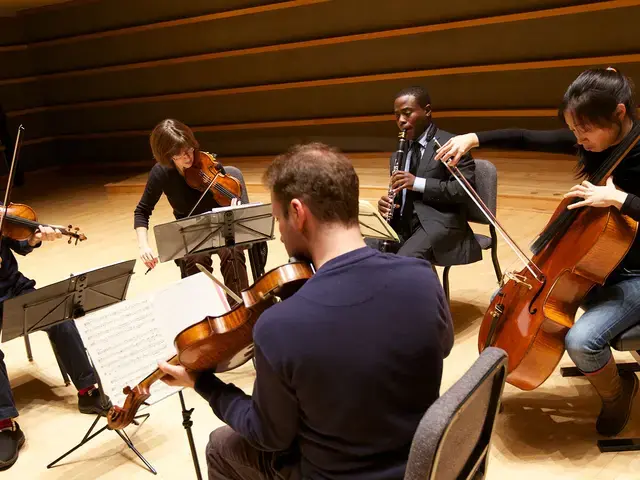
x=239 y=225
x=65 y=300
x=372 y=225
x=224 y=227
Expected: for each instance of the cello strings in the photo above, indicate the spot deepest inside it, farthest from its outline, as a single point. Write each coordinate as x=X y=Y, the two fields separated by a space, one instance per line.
x=562 y=223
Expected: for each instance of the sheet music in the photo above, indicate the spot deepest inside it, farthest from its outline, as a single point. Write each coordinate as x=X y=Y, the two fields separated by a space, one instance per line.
x=125 y=341
x=236 y=207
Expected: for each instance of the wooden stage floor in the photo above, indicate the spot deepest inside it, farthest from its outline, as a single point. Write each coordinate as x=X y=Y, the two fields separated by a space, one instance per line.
x=545 y=433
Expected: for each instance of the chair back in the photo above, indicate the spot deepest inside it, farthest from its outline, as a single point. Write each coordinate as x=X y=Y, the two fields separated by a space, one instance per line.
x=237 y=174
x=487 y=188
x=452 y=440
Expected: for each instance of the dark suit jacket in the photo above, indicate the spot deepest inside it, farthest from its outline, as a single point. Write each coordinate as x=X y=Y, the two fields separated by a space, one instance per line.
x=442 y=208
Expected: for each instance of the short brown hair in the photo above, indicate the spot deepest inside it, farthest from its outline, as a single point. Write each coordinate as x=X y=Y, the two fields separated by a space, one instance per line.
x=319 y=175
x=169 y=138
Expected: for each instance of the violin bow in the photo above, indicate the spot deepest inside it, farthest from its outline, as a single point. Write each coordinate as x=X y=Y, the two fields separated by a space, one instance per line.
x=12 y=171
x=208 y=186
x=230 y=292
x=466 y=186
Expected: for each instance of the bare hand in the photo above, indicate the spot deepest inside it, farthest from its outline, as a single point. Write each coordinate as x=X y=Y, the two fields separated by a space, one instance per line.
x=44 y=234
x=384 y=206
x=401 y=180
x=452 y=151
x=177 y=375
x=596 y=196
x=148 y=257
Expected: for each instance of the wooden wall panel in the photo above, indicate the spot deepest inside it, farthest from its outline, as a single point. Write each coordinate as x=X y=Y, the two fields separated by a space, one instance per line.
x=372 y=137
x=81 y=92
x=470 y=46
x=89 y=16
x=11 y=31
x=501 y=90
x=295 y=23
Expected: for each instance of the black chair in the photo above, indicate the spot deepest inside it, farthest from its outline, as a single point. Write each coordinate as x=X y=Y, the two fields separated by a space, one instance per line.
x=487 y=189
x=454 y=436
x=627 y=341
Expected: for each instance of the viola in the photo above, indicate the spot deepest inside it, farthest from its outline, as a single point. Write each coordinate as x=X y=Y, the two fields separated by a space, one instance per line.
x=534 y=308
x=207 y=174
x=21 y=221
x=219 y=343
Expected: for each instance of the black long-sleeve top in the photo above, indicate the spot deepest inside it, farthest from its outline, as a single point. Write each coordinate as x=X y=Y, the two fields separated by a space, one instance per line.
x=345 y=368
x=626 y=175
x=12 y=281
x=181 y=196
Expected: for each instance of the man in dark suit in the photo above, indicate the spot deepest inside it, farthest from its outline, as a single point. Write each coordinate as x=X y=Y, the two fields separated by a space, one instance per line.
x=431 y=206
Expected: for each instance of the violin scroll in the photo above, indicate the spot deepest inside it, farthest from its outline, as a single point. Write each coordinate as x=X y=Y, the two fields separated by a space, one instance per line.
x=120 y=417
x=73 y=233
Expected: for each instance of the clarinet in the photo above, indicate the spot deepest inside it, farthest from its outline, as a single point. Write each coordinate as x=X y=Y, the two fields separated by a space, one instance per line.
x=399 y=158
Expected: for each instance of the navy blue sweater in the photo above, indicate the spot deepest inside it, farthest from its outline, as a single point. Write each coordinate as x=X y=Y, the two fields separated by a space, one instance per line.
x=12 y=281
x=345 y=368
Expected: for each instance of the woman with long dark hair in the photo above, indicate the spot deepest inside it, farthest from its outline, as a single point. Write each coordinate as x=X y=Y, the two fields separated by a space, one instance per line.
x=599 y=110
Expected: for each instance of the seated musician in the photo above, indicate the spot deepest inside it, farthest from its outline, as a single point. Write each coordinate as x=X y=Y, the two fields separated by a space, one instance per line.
x=433 y=205
x=174 y=145
x=348 y=365
x=600 y=111
x=64 y=336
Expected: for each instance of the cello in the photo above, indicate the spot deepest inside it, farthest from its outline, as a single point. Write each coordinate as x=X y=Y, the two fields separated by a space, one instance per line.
x=534 y=308
x=220 y=343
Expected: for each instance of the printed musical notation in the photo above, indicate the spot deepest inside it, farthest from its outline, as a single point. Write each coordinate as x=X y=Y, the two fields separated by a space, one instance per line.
x=126 y=340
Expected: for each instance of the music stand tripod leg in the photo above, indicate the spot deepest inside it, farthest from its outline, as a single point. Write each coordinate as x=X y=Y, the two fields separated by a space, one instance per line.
x=25 y=334
x=187 y=423
x=88 y=436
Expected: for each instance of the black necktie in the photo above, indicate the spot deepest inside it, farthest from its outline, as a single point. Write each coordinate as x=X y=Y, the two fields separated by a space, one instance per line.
x=416 y=156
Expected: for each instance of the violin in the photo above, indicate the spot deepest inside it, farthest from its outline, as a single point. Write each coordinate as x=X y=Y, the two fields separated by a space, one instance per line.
x=207 y=174
x=21 y=222
x=221 y=343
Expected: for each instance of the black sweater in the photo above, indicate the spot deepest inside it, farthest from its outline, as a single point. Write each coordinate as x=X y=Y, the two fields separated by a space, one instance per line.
x=345 y=368
x=12 y=281
x=626 y=176
x=181 y=196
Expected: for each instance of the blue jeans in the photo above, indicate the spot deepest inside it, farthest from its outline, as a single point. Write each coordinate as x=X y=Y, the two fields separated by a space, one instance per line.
x=609 y=310
x=66 y=338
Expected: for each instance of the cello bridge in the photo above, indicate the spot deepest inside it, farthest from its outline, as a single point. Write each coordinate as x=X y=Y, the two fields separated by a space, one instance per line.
x=516 y=278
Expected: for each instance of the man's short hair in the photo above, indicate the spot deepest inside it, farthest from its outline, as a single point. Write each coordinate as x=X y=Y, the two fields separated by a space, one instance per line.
x=417 y=92
x=322 y=177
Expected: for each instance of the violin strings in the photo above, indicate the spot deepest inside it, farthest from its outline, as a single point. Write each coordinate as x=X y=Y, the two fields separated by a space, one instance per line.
x=29 y=223
x=220 y=188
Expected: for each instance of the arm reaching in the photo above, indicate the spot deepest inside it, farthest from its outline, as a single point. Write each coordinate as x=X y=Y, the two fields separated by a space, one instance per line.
x=552 y=141
x=146 y=252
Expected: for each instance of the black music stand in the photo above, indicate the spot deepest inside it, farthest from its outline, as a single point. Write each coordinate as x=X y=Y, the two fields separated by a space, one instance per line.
x=241 y=225
x=65 y=300
x=68 y=300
